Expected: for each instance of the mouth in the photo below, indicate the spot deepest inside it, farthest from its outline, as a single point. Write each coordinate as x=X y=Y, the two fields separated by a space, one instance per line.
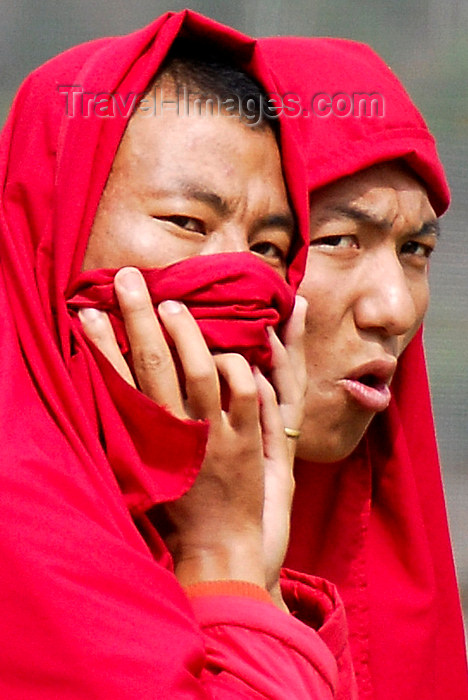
x=369 y=384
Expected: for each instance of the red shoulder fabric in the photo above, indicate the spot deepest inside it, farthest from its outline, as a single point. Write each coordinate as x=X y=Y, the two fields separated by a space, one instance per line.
x=90 y=607
x=375 y=524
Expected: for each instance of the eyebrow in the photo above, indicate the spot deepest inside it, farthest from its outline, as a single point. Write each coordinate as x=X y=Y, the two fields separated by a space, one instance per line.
x=430 y=227
x=283 y=220
x=189 y=190
x=213 y=200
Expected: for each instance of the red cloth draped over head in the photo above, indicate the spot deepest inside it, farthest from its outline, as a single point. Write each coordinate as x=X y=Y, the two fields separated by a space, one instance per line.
x=375 y=524
x=54 y=167
x=77 y=459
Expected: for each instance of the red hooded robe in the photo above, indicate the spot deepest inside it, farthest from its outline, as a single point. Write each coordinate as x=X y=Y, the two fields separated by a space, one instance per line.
x=90 y=607
x=375 y=524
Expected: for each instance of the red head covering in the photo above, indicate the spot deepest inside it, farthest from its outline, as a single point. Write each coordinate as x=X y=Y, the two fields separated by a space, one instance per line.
x=77 y=460
x=54 y=167
x=375 y=524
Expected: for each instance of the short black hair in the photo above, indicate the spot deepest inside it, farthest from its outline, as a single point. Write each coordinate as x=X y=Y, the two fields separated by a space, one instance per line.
x=208 y=74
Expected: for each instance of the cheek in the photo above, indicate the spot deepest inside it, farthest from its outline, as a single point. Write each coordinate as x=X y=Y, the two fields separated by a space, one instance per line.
x=310 y=292
x=113 y=240
x=315 y=286
x=420 y=294
x=328 y=299
x=421 y=300
x=321 y=338
x=319 y=325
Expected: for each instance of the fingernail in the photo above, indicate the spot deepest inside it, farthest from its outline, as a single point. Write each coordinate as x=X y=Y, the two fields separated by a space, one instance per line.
x=130 y=279
x=89 y=315
x=301 y=304
x=171 y=307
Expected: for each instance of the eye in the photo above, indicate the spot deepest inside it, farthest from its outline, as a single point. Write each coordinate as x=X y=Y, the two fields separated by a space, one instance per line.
x=336 y=241
x=188 y=223
x=267 y=249
x=418 y=249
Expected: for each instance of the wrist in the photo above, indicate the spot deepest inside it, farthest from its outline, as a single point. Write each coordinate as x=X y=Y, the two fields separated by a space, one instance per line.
x=232 y=561
x=243 y=589
x=277 y=597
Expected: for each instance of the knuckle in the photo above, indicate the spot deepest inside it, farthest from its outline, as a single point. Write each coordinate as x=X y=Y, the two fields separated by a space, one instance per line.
x=240 y=359
x=138 y=309
x=280 y=347
x=151 y=361
x=93 y=322
x=200 y=377
x=269 y=392
x=200 y=374
x=234 y=359
x=97 y=331
x=247 y=393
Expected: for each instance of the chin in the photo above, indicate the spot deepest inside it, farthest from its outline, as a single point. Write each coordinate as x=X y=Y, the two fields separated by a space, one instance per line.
x=333 y=444
x=325 y=455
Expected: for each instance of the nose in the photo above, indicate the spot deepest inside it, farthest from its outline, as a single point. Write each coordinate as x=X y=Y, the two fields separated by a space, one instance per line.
x=387 y=302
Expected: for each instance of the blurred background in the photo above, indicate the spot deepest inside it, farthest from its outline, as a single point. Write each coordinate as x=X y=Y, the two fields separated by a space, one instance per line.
x=426 y=44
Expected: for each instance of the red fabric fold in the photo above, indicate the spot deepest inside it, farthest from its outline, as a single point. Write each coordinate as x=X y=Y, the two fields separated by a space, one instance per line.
x=234 y=297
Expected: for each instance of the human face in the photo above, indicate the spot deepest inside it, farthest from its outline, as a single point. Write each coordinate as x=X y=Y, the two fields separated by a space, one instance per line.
x=371 y=235
x=191 y=185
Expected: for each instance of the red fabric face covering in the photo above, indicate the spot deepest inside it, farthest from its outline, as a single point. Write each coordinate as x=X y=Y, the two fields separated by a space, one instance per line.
x=375 y=524
x=235 y=297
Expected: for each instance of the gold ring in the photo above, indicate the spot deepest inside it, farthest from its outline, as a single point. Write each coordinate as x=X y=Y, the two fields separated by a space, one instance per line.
x=292 y=433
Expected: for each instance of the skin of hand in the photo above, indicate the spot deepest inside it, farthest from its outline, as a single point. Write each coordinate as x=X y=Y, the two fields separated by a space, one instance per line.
x=233 y=524
x=289 y=379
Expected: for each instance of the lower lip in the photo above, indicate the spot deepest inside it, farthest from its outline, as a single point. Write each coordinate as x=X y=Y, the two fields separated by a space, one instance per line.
x=372 y=398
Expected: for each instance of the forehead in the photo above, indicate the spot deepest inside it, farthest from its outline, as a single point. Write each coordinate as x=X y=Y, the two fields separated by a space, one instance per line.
x=172 y=128
x=386 y=190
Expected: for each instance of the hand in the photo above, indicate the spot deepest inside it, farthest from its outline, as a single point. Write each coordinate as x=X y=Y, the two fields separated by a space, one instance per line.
x=217 y=526
x=234 y=522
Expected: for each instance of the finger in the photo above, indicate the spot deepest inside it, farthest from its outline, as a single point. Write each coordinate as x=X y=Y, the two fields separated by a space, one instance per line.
x=277 y=447
x=281 y=372
x=152 y=360
x=243 y=398
x=270 y=416
x=293 y=336
x=288 y=364
x=201 y=377
x=289 y=383
x=98 y=328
